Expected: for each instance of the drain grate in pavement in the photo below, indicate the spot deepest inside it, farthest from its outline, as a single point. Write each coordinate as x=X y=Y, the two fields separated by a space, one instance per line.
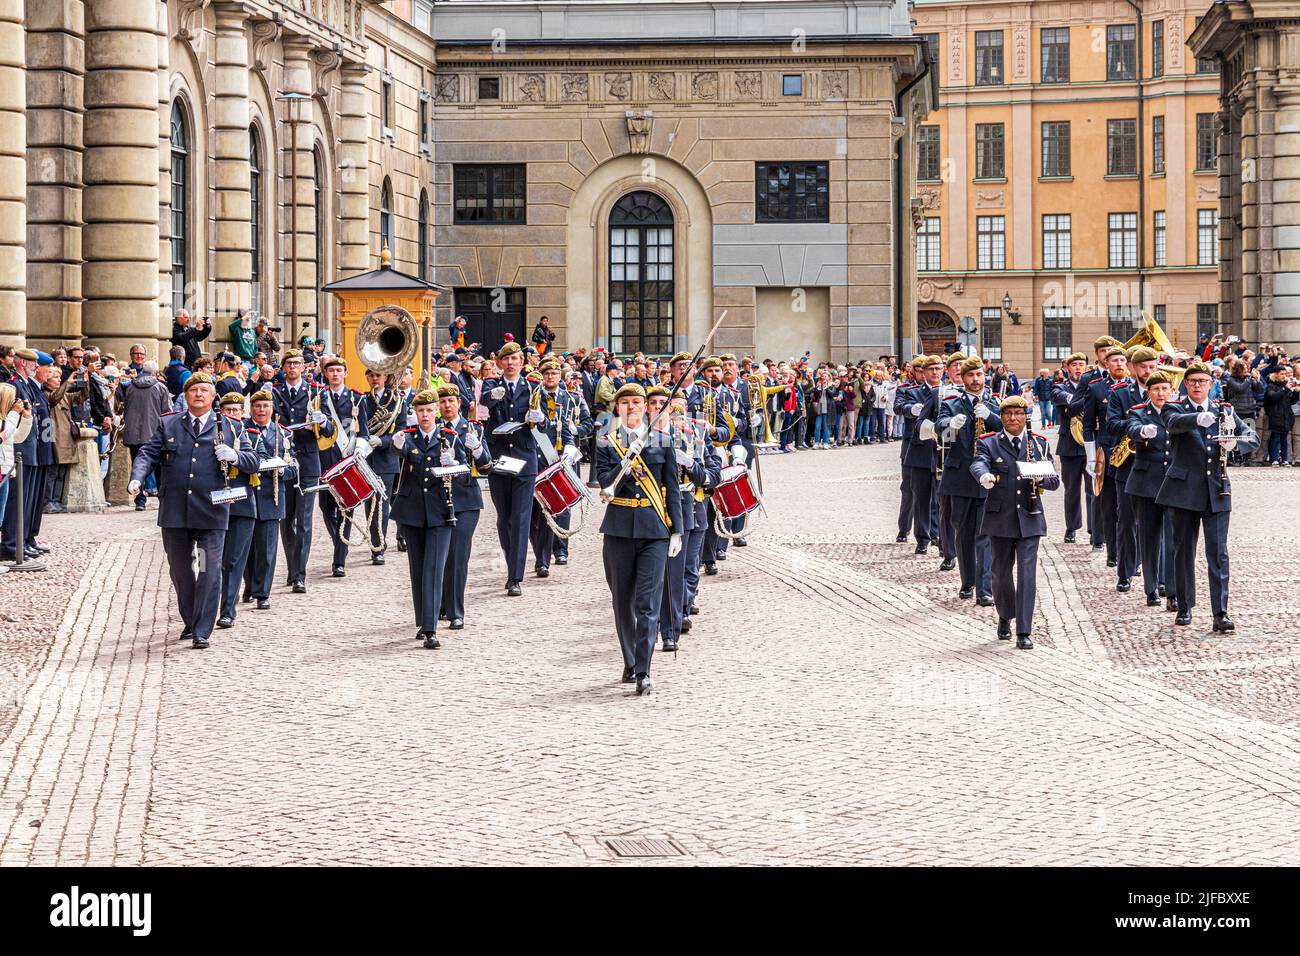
x=642 y=847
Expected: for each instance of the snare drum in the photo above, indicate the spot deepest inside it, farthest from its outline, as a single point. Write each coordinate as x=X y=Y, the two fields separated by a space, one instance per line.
x=558 y=488
x=351 y=482
x=734 y=496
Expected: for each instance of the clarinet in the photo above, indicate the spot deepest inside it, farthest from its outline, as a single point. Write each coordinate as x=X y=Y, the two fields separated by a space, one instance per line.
x=447 y=479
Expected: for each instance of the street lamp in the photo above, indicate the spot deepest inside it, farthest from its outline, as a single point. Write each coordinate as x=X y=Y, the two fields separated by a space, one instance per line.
x=1008 y=308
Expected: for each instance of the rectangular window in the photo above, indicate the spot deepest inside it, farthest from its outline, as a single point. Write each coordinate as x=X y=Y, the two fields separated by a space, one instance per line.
x=1158 y=232
x=489 y=87
x=1207 y=237
x=991 y=333
x=1157 y=144
x=1056 y=148
x=1121 y=147
x=927 y=159
x=991 y=242
x=422 y=15
x=426 y=130
x=1205 y=142
x=927 y=245
x=792 y=192
x=386 y=106
x=1121 y=52
x=1158 y=48
x=988 y=57
x=931 y=41
x=1058 y=333
x=1056 y=241
x=1159 y=314
x=490 y=194
x=1054 y=50
x=990 y=151
x=792 y=84
x=1206 y=64
x=1123 y=240
x=1124 y=321
x=1207 y=318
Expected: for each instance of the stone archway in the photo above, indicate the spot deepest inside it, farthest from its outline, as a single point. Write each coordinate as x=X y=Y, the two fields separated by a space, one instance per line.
x=937 y=330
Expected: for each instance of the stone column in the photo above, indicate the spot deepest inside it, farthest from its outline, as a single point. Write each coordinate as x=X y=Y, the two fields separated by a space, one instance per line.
x=1285 y=209
x=13 y=175
x=354 y=172
x=55 y=79
x=164 y=185
x=120 y=201
x=231 y=235
x=298 y=298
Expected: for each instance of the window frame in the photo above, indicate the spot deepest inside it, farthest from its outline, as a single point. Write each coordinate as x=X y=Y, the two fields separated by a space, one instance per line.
x=426 y=123
x=929 y=246
x=991 y=333
x=1121 y=51
x=1129 y=314
x=1058 y=326
x=1157 y=49
x=1209 y=148
x=1207 y=237
x=1204 y=311
x=994 y=251
x=985 y=74
x=1056 y=58
x=924 y=146
x=997 y=143
x=1121 y=146
x=1159 y=238
x=786 y=79
x=422 y=237
x=797 y=181
x=1124 y=230
x=387 y=236
x=485 y=97
x=387 y=106
x=493 y=176
x=255 y=214
x=1158 y=145
x=1045 y=139
x=182 y=163
x=1062 y=254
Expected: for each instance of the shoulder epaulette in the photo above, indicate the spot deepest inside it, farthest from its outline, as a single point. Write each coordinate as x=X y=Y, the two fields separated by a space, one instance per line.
x=169 y=414
x=1140 y=405
x=1119 y=383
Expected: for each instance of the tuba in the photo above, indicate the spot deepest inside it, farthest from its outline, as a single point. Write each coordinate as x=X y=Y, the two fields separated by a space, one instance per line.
x=386 y=340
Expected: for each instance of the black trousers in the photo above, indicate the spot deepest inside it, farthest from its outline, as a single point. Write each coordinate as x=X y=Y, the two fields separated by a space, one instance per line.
x=426 y=555
x=947 y=533
x=1015 y=580
x=1106 y=517
x=262 y=555
x=234 y=558
x=1154 y=544
x=513 y=498
x=135 y=451
x=712 y=540
x=905 y=505
x=973 y=555
x=456 y=574
x=338 y=523
x=197 y=595
x=562 y=544
x=635 y=569
x=541 y=536
x=43 y=485
x=1187 y=531
x=1072 y=477
x=295 y=530
x=1126 y=530
x=923 y=503
x=671 y=607
x=379 y=516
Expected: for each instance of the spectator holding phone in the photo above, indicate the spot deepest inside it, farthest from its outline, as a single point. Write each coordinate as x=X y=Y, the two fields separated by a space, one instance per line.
x=189 y=336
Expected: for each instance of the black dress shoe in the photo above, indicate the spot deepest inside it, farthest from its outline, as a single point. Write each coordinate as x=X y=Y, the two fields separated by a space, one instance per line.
x=1184 y=617
x=948 y=564
x=247 y=598
x=1024 y=642
x=902 y=537
x=1098 y=547
x=456 y=624
x=224 y=621
x=628 y=677
x=514 y=590
x=922 y=549
x=984 y=601
x=1171 y=603
x=376 y=559
x=686 y=625
x=200 y=643
x=1069 y=537
x=299 y=587
x=741 y=543
x=264 y=604
x=542 y=572
x=644 y=685
x=710 y=568
x=561 y=559
x=32 y=553
x=401 y=545
x=1124 y=586
x=670 y=645
x=1004 y=629
x=721 y=556
x=187 y=635
x=139 y=506
x=1160 y=589
x=431 y=643
x=966 y=593
x=1223 y=623
x=693 y=609
x=1112 y=563
x=1153 y=600
x=339 y=571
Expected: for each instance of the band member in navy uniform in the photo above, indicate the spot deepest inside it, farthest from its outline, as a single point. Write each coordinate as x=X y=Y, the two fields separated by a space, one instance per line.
x=1101 y=348
x=1070 y=451
x=421 y=507
x=1145 y=426
x=1142 y=361
x=642 y=529
x=1197 y=488
x=345 y=404
x=918 y=461
x=510 y=399
x=736 y=393
x=557 y=430
x=950 y=387
x=583 y=427
x=243 y=513
x=705 y=402
x=962 y=419
x=468 y=443
x=193 y=456
x=901 y=399
x=1013 y=516
x=270 y=441
x=384 y=408
x=1096 y=437
x=296 y=409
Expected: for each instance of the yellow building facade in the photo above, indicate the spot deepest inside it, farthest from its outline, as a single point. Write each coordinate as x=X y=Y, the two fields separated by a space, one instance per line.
x=1044 y=219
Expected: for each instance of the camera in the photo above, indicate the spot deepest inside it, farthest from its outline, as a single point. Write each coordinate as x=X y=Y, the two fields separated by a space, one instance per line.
x=274 y=328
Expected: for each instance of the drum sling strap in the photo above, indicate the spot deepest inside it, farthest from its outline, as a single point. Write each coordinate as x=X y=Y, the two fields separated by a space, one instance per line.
x=643 y=478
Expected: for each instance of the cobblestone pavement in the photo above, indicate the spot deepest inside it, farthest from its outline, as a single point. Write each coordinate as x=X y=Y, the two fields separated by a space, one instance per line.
x=835 y=703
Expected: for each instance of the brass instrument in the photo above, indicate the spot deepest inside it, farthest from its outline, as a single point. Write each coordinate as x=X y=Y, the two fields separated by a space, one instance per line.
x=1076 y=427
x=386 y=340
x=1122 y=452
x=1099 y=477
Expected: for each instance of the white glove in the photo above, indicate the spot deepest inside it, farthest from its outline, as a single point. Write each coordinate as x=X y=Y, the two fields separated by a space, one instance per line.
x=1229 y=424
x=635 y=448
x=498 y=393
x=987 y=480
x=674 y=545
x=756 y=420
x=226 y=453
x=374 y=441
x=133 y=487
x=535 y=416
x=683 y=459
x=411 y=419
x=925 y=431
x=982 y=411
x=1229 y=444
x=571 y=453
x=1148 y=431
x=1205 y=419
x=472 y=441
x=957 y=422
x=317 y=417
x=914 y=410
x=1090 y=463
x=447 y=459
x=739 y=454
x=399 y=441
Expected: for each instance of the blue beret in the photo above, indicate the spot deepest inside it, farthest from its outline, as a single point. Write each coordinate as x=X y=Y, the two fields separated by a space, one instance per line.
x=44 y=358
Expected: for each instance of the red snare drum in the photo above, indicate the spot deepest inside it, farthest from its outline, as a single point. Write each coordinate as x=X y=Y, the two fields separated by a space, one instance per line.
x=558 y=488
x=734 y=497
x=351 y=482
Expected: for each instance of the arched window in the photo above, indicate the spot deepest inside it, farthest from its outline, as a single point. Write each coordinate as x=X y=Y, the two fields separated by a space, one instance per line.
x=255 y=212
x=386 y=217
x=641 y=275
x=422 y=237
x=318 y=218
x=180 y=205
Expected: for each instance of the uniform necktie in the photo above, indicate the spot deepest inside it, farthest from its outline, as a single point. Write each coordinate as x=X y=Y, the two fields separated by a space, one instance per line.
x=1015 y=445
x=194 y=422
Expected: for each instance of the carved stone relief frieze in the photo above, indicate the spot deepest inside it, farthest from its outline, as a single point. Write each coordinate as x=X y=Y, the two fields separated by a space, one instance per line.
x=618 y=85
x=835 y=84
x=749 y=85
x=533 y=88
x=704 y=86
x=663 y=86
x=446 y=88
x=574 y=86
x=990 y=198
